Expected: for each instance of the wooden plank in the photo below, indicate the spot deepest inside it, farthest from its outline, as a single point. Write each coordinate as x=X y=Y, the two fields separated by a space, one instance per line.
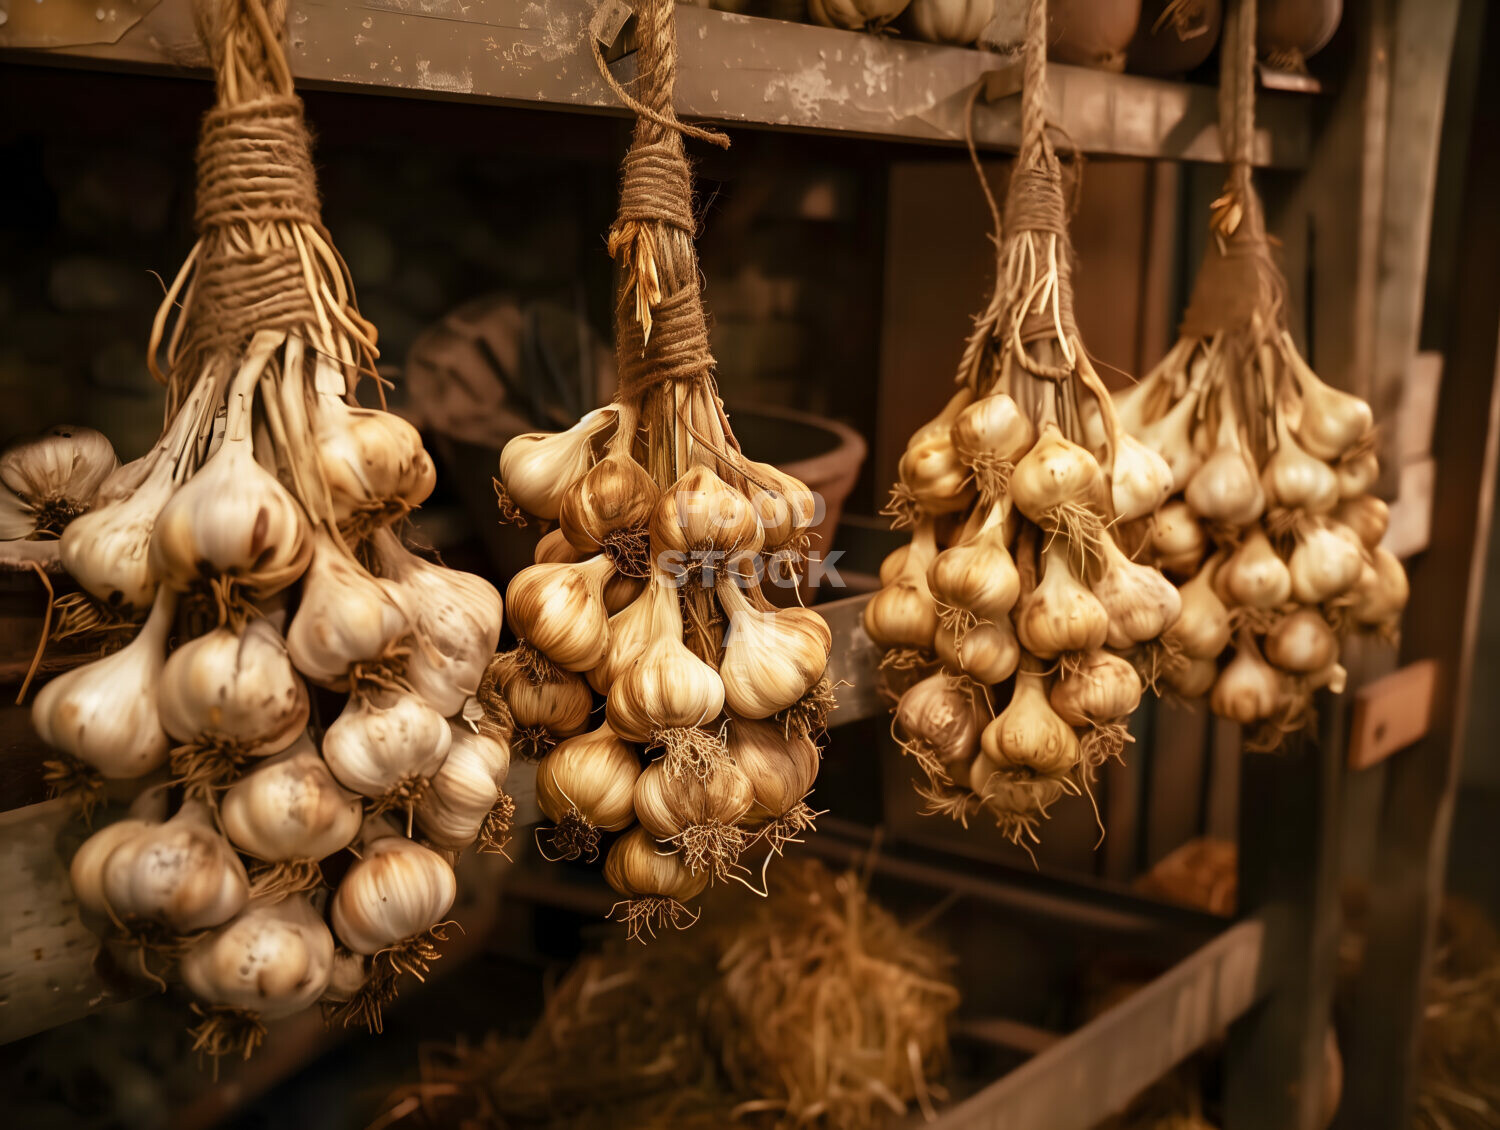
x=1290 y=841
x=1174 y=779
x=1442 y=623
x=1097 y=1070
x=732 y=68
x=47 y=974
x=1410 y=528
x=1392 y=713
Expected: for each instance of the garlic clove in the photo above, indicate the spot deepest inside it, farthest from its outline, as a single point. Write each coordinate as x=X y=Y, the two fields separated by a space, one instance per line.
x=86 y=871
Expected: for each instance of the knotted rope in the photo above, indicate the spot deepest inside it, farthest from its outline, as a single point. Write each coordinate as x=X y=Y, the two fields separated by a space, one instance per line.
x=661 y=334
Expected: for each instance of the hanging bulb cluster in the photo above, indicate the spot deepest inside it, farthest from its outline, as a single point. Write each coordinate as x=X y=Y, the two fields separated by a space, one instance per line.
x=647 y=589
x=262 y=534
x=1270 y=529
x=1016 y=625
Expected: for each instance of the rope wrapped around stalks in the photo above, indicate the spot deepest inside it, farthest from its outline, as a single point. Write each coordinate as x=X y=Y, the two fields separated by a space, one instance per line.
x=649 y=589
x=261 y=534
x=1270 y=527
x=1019 y=632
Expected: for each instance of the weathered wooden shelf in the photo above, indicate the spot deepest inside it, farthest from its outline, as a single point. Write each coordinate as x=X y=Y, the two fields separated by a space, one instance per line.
x=734 y=69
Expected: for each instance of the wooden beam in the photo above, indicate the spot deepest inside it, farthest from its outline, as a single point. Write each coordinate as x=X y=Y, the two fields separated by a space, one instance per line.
x=1442 y=623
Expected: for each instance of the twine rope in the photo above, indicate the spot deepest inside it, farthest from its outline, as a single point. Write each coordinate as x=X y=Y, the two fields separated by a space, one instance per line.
x=661 y=333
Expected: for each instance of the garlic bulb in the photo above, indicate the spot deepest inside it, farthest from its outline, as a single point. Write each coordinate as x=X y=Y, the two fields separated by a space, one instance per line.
x=1226 y=488
x=290 y=808
x=1102 y=688
x=1013 y=794
x=1202 y=629
x=902 y=614
x=783 y=505
x=1061 y=615
x=105 y=712
x=553 y=548
x=667 y=688
x=1248 y=689
x=537 y=468
x=233 y=520
x=638 y=869
x=559 y=610
x=373 y=461
x=464 y=789
x=977 y=575
x=941 y=716
x=987 y=652
x=107 y=550
x=780 y=768
x=699 y=514
x=386 y=743
x=346 y=618
x=456 y=618
x=1055 y=473
x=396 y=890
x=559 y=703
x=1369 y=517
x=630 y=630
x=1302 y=642
x=1296 y=480
x=991 y=432
x=1331 y=421
x=235 y=690
x=273 y=959
x=1324 y=565
x=48 y=480
x=1357 y=475
x=181 y=873
x=893 y=563
x=698 y=815
x=1178 y=542
x=1171 y=438
x=1139 y=479
x=1192 y=678
x=771 y=658
x=585 y=786
x=1254 y=575
x=612 y=501
x=934 y=474
x=1028 y=734
x=1382 y=591
x=1140 y=602
x=86 y=871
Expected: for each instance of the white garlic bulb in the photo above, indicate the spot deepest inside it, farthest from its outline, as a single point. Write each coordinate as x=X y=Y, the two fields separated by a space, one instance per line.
x=107 y=550
x=290 y=808
x=48 y=480
x=771 y=658
x=237 y=690
x=181 y=873
x=275 y=958
x=395 y=890
x=464 y=789
x=105 y=713
x=457 y=618
x=386 y=741
x=86 y=871
x=346 y=617
x=538 y=468
x=373 y=461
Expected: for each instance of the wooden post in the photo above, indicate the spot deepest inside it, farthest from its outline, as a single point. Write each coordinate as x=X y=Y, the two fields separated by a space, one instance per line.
x=1406 y=885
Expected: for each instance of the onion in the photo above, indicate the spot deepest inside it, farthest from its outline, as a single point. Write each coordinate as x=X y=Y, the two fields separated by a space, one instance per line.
x=1293 y=31
x=1091 y=33
x=1175 y=36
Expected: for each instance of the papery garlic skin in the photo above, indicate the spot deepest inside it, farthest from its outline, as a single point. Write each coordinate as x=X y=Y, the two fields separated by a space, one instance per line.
x=666 y=688
x=274 y=959
x=373 y=461
x=1140 y=479
x=1061 y=615
x=290 y=808
x=233 y=689
x=1054 y=473
x=771 y=659
x=395 y=890
x=560 y=704
x=780 y=768
x=1302 y=642
x=637 y=867
x=1140 y=602
x=107 y=550
x=86 y=871
x=1248 y=689
x=105 y=712
x=1102 y=688
x=594 y=775
x=630 y=630
x=182 y=874
x=537 y=468
x=941 y=715
x=1255 y=576
x=1202 y=628
x=700 y=514
x=457 y=619
x=1331 y=421
x=559 y=610
x=1324 y=565
x=986 y=652
x=48 y=480
x=1178 y=542
x=464 y=789
x=346 y=617
x=1028 y=734
x=383 y=740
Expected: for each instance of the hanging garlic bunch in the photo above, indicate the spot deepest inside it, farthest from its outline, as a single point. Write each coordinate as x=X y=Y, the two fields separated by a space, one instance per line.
x=1270 y=531
x=650 y=591
x=262 y=532
x=1020 y=626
